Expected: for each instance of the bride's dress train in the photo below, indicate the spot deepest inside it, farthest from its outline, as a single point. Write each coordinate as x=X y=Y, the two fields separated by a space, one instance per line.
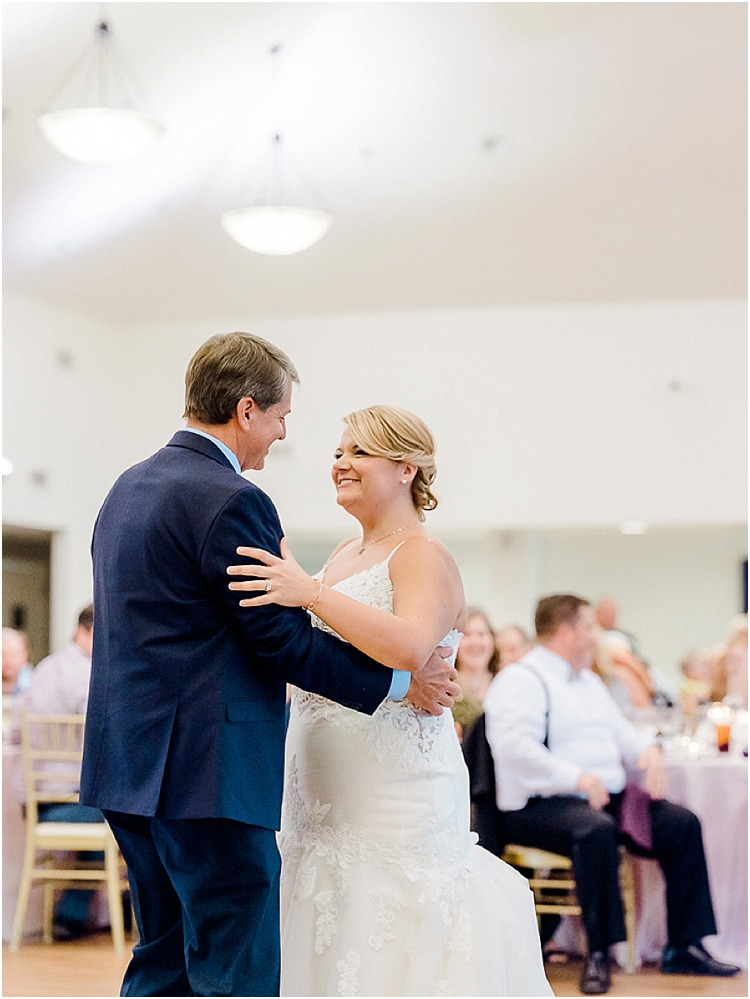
x=384 y=891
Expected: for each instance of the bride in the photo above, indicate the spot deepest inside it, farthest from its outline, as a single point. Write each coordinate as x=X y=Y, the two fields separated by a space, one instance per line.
x=384 y=891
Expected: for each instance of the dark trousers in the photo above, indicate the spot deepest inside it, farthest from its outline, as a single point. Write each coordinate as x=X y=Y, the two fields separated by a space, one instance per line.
x=75 y=903
x=568 y=825
x=206 y=900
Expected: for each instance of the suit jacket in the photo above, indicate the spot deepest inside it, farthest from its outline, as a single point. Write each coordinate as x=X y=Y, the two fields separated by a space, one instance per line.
x=186 y=709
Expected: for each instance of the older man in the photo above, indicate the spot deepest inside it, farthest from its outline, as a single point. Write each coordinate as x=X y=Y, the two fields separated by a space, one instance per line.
x=560 y=744
x=186 y=717
x=17 y=670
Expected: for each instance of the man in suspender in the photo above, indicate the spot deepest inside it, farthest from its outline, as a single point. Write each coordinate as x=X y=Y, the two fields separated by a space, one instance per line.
x=560 y=745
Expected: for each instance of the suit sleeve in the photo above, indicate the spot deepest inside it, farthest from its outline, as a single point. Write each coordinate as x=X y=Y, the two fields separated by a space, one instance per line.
x=282 y=639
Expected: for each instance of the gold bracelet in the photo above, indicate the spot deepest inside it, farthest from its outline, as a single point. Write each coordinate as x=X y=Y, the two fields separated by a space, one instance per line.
x=316 y=597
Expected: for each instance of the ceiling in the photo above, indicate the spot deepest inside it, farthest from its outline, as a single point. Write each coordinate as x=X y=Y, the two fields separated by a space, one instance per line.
x=473 y=154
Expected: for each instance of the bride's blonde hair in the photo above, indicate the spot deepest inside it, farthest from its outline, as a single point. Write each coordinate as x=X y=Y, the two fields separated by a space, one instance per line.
x=397 y=434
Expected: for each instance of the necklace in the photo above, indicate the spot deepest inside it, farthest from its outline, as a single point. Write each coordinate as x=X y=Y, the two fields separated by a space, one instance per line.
x=363 y=547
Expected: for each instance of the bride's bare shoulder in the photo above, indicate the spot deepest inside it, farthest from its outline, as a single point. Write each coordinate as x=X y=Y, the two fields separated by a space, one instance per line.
x=424 y=547
x=425 y=557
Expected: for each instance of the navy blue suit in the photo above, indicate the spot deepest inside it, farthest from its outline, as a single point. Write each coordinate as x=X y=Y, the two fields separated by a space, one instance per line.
x=186 y=717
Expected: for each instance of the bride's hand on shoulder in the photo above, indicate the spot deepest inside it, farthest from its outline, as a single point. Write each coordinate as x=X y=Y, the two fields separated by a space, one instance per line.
x=276 y=580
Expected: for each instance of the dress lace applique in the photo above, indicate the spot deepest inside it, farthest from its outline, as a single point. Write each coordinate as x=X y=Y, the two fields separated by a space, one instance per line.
x=325 y=924
x=348 y=969
x=387 y=903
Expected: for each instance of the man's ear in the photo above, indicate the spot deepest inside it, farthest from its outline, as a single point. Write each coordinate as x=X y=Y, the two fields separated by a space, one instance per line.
x=244 y=410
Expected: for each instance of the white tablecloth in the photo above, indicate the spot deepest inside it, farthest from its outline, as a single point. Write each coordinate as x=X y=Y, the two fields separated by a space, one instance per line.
x=14 y=835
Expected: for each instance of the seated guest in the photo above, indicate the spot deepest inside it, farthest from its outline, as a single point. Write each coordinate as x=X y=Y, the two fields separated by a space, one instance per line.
x=696 y=683
x=636 y=675
x=17 y=669
x=730 y=665
x=559 y=743
x=625 y=676
x=606 y=613
x=476 y=663
x=60 y=686
x=512 y=642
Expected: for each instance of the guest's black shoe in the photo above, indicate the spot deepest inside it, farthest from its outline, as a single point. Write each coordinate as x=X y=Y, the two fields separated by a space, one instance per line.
x=694 y=960
x=595 y=979
x=64 y=930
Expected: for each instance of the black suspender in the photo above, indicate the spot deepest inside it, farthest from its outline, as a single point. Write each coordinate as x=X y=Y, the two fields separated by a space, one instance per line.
x=540 y=678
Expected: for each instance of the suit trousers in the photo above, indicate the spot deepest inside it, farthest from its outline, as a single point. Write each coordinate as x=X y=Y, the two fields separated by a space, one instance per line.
x=568 y=825
x=206 y=900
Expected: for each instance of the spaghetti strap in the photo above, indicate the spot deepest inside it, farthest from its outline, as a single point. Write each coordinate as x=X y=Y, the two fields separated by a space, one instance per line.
x=399 y=545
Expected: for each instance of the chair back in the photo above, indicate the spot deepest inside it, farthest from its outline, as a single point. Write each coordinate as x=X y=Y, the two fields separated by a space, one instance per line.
x=486 y=819
x=51 y=753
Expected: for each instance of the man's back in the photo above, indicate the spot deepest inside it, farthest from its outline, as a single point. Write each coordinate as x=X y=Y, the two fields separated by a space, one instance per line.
x=171 y=673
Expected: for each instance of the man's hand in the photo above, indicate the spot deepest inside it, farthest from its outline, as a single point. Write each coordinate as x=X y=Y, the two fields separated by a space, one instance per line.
x=651 y=761
x=594 y=789
x=433 y=686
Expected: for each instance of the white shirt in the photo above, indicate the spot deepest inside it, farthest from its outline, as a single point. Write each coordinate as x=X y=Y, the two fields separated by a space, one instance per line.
x=587 y=730
x=59 y=686
x=60 y=683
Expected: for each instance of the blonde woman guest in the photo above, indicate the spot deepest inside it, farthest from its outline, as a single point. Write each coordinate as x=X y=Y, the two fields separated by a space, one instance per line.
x=695 y=690
x=383 y=891
x=477 y=663
x=624 y=674
x=730 y=664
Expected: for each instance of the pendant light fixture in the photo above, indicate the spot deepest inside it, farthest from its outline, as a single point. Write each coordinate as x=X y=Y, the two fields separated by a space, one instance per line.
x=104 y=124
x=277 y=225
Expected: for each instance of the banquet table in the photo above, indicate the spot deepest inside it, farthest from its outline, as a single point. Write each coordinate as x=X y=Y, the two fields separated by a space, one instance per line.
x=715 y=788
x=14 y=837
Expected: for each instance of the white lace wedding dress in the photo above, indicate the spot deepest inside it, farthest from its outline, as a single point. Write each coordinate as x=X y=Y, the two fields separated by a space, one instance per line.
x=384 y=891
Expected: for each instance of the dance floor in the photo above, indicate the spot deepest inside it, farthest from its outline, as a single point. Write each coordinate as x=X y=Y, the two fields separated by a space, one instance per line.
x=90 y=968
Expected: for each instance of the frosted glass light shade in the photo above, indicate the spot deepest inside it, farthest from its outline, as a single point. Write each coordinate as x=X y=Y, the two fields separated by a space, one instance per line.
x=633 y=527
x=99 y=135
x=276 y=230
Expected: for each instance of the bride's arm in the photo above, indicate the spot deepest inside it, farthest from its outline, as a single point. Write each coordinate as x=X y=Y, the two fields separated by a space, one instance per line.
x=427 y=599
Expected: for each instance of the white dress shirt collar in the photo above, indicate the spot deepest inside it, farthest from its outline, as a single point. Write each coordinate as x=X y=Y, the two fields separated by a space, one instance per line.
x=545 y=658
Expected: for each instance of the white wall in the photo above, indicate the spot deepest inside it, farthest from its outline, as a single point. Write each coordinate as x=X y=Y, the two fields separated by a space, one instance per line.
x=65 y=406
x=546 y=419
